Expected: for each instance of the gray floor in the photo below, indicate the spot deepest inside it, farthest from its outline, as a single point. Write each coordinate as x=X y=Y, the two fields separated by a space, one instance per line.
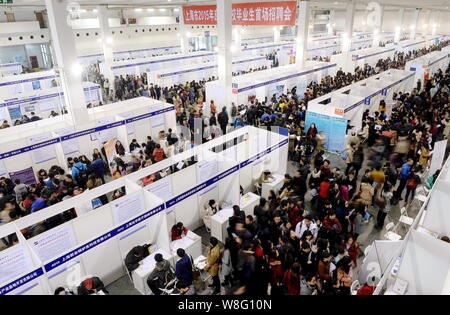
x=123 y=285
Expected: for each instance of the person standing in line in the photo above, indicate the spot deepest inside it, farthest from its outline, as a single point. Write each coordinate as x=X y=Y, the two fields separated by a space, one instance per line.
x=213 y=264
x=223 y=120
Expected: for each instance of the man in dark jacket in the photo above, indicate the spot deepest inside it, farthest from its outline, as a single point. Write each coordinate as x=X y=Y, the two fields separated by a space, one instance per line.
x=183 y=268
x=98 y=166
x=135 y=256
x=223 y=120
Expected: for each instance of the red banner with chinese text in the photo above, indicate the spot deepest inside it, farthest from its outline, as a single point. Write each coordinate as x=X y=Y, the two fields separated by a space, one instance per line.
x=255 y=13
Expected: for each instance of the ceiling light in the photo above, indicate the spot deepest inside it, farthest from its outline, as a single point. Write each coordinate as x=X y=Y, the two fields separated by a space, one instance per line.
x=150 y=10
x=138 y=10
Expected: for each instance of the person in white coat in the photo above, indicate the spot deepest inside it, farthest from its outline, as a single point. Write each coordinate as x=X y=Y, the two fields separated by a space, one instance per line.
x=210 y=210
x=307 y=224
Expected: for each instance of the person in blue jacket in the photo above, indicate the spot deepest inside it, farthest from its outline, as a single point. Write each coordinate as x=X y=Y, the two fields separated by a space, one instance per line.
x=404 y=174
x=183 y=268
x=77 y=168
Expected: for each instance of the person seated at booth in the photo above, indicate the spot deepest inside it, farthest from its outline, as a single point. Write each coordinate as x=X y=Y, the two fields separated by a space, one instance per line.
x=210 y=210
x=178 y=231
x=134 y=145
x=91 y=286
x=161 y=275
x=63 y=291
x=136 y=256
x=266 y=177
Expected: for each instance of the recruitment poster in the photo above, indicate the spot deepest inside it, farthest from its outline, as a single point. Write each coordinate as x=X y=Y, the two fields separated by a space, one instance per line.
x=110 y=151
x=26 y=176
x=45 y=153
x=128 y=207
x=14 y=262
x=335 y=129
x=53 y=243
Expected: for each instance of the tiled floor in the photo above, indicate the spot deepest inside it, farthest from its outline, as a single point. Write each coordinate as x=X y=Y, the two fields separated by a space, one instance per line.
x=123 y=285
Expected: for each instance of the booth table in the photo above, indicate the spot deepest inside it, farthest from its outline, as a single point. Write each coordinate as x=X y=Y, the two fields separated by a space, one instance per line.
x=219 y=224
x=191 y=243
x=140 y=274
x=275 y=185
x=248 y=203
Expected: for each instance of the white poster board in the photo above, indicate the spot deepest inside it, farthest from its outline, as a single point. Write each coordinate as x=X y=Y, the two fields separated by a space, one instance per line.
x=157 y=120
x=161 y=188
x=107 y=134
x=68 y=146
x=47 y=105
x=438 y=156
x=207 y=169
x=45 y=153
x=130 y=127
x=127 y=207
x=14 y=262
x=53 y=243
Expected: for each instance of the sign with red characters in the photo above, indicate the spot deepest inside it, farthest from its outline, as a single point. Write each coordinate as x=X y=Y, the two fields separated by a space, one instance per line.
x=255 y=13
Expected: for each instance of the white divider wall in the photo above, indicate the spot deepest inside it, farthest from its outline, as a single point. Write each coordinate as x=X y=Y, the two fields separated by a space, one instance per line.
x=94 y=243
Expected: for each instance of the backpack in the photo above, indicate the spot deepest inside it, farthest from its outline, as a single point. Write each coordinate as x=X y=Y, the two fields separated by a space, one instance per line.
x=411 y=183
x=82 y=174
x=344 y=155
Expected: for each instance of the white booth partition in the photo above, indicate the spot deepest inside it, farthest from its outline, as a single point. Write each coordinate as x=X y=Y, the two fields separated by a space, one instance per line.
x=144 y=65
x=348 y=61
x=257 y=85
x=43 y=102
x=94 y=241
x=12 y=85
x=437 y=217
x=53 y=143
x=429 y=64
x=411 y=45
x=20 y=269
x=422 y=268
x=75 y=238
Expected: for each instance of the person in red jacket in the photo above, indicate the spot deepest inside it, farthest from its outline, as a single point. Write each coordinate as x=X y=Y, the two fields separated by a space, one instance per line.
x=352 y=248
x=178 y=231
x=331 y=223
x=291 y=279
x=323 y=189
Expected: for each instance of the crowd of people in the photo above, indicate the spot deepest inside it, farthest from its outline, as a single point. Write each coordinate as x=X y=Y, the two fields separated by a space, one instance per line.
x=18 y=199
x=303 y=239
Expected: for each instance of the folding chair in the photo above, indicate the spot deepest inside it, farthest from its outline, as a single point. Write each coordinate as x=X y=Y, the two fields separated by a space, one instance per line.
x=391 y=235
x=405 y=220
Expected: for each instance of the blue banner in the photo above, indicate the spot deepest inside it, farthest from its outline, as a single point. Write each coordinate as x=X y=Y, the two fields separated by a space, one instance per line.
x=334 y=128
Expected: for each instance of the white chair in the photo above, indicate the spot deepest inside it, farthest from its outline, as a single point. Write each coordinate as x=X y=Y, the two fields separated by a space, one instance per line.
x=355 y=287
x=405 y=219
x=366 y=250
x=390 y=235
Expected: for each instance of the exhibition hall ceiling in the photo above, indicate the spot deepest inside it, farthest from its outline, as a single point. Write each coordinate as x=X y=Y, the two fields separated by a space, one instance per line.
x=325 y=4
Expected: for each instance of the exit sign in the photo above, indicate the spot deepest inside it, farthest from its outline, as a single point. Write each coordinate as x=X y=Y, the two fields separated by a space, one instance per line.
x=6 y=1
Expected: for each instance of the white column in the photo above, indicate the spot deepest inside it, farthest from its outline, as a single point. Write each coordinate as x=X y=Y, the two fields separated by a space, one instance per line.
x=276 y=34
x=330 y=23
x=399 y=27
x=107 y=44
x=302 y=34
x=237 y=37
x=224 y=56
x=348 y=31
x=66 y=58
x=183 y=33
x=427 y=26
x=378 y=27
x=435 y=22
x=413 y=27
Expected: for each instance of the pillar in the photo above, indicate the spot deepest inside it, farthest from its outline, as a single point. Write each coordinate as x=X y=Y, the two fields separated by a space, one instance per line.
x=348 y=30
x=399 y=27
x=302 y=34
x=107 y=44
x=427 y=26
x=183 y=33
x=277 y=34
x=66 y=57
x=237 y=37
x=330 y=23
x=378 y=27
x=224 y=53
x=413 y=27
